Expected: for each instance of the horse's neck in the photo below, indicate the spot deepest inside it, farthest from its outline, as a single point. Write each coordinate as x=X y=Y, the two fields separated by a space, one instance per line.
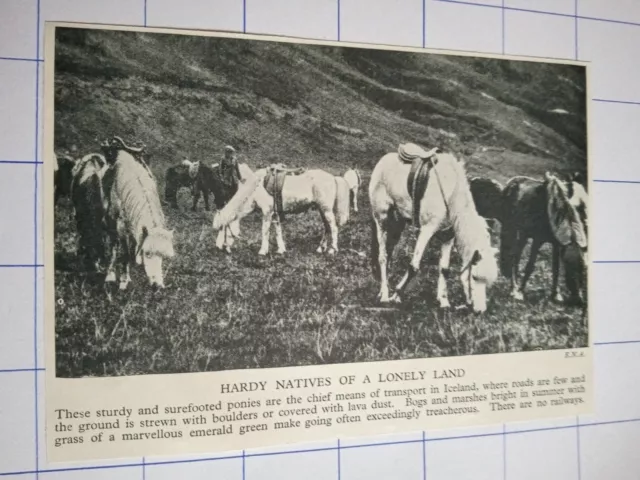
x=469 y=227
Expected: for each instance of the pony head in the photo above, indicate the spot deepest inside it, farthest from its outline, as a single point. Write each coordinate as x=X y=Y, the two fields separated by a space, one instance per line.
x=570 y=231
x=156 y=244
x=194 y=167
x=481 y=272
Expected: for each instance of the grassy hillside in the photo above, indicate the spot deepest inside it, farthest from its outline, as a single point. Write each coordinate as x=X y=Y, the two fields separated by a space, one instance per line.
x=310 y=105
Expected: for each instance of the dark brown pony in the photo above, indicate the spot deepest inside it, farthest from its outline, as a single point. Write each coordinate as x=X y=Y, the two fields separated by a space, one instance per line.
x=88 y=201
x=541 y=210
x=487 y=195
x=62 y=177
x=207 y=181
x=175 y=178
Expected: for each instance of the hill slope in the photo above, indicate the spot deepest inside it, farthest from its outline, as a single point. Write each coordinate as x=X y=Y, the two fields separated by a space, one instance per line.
x=309 y=105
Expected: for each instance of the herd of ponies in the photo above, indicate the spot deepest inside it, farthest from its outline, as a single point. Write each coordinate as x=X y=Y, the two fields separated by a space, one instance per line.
x=120 y=221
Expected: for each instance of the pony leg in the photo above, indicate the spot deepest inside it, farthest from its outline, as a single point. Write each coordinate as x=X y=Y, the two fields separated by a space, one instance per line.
x=279 y=238
x=266 y=228
x=125 y=279
x=111 y=272
x=426 y=232
x=380 y=236
x=395 y=227
x=196 y=198
x=113 y=247
x=355 y=199
x=515 y=267
x=325 y=233
x=220 y=239
x=528 y=269
x=445 y=259
x=205 y=194
x=124 y=265
x=229 y=239
x=333 y=232
x=555 y=272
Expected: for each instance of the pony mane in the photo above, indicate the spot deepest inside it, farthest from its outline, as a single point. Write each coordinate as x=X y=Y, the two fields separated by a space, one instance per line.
x=472 y=230
x=561 y=210
x=236 y=204
x=138 y=194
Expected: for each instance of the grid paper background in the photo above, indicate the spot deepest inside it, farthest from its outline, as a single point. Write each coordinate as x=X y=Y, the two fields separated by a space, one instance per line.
x=605 y=32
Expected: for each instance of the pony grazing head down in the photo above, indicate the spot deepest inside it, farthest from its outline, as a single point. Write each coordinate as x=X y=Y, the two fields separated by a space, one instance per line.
x=155 y=245
x=473 y=237
x=481 y=271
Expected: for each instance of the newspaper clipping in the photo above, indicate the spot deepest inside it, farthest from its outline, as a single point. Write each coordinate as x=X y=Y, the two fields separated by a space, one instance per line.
x=255 y=241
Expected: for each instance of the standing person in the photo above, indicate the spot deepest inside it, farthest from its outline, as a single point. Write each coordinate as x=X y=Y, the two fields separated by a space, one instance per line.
x=229 y=168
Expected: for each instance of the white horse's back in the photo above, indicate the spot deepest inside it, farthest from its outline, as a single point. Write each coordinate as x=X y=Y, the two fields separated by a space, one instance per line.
x=313 y=187
x=388 y=185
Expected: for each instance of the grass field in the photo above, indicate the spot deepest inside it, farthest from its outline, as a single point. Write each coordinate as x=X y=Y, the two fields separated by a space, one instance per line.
x=226 y=311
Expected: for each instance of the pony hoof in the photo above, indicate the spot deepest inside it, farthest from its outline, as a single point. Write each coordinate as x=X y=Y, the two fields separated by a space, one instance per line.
x=395 y=298
x=123 y=286
x=261 y=253
x=332 y=251
x=444 y=304
x=558 y=298
x=380 y=298
x=110 y=278
x=517 y=295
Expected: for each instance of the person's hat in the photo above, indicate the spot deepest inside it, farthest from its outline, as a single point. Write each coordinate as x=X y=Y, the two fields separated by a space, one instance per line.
x=229 y=148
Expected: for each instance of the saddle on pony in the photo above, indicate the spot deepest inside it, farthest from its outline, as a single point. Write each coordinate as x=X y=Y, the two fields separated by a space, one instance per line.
x=422 y=161
x=274 y=182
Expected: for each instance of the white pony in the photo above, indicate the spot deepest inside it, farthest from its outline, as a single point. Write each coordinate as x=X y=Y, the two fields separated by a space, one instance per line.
x=352 y=176
x=135 y=221
x=312 y=189
x=446 y=208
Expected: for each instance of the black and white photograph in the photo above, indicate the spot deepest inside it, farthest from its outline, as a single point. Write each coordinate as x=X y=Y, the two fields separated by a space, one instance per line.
x=225 y=203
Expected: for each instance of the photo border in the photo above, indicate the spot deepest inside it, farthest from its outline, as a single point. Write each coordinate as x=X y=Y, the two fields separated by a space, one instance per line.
x=54 y=385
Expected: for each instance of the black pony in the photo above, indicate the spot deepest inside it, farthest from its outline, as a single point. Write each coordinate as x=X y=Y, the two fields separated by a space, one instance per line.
x=487 y=195
x=175 y=178
x=207 y=180
x=62 y=177
x=87 y=195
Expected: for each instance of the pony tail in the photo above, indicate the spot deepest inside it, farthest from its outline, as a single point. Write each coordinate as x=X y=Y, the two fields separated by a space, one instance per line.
x=342 y=202
x=375 y=250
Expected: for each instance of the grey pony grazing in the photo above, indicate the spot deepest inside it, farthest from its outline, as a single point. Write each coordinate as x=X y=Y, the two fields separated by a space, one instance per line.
x=135 y=220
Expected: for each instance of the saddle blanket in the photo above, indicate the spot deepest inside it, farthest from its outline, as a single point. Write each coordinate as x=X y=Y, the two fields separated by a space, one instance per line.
x=422 y=162
x=409 y=152
x=274 y=182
